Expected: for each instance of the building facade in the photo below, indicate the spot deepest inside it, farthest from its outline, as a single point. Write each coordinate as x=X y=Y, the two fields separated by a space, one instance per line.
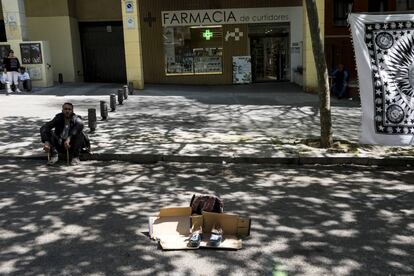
x=195 y=42
x=179 y=42
x=338 y=42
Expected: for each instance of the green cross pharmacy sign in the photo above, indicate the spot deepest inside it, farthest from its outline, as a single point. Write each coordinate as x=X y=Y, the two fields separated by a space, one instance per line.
x=207 y=34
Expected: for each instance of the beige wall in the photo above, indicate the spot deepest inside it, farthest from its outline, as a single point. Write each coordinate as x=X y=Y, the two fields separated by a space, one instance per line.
x=61 y=44
x=98 y=10
x=42 y=8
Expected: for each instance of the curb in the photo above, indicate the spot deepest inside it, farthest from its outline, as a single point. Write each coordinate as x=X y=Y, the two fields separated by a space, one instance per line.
x=154 y=158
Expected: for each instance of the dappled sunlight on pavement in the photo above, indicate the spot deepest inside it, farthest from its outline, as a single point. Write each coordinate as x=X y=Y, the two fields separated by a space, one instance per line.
x=184 y=124
x=310 y=220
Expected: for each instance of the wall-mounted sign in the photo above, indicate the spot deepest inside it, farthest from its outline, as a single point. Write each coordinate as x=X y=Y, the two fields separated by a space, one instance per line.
x=207 y=34
x=35 y=73
x=229 y=16
x=31 y=53
x=236 y=34
x=150 y=19
x=242 y=69
x=130 y=23
x=129 y=7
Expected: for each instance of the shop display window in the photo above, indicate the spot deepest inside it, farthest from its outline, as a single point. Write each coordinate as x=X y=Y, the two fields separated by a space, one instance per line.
x=193 y=50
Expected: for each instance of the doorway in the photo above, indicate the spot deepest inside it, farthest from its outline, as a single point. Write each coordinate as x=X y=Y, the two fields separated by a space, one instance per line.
x=269 y=49
x=103 y=52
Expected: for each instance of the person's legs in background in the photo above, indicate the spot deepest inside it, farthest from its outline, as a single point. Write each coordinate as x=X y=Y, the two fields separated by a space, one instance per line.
x=15 y=78
x=8 y=83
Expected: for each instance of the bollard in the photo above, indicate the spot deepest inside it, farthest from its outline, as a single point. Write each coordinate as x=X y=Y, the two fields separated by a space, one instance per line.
x=125 y=90
x=92 y=119
x=104 y=110
x=29 y=85
x=60 y=78
x=112 y=102
x=131 y=88
x=120 y=96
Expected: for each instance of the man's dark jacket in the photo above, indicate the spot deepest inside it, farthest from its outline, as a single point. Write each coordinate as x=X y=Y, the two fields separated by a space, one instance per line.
x=58 y=123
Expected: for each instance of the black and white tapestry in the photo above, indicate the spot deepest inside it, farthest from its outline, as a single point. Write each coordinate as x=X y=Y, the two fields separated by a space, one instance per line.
x=384 y=49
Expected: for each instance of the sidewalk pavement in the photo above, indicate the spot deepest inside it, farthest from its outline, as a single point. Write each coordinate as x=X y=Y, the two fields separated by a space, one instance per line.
x=260 y=123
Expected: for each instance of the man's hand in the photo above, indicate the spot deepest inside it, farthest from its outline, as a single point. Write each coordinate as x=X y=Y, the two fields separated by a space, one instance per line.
x=66 y=144
x=46 y=147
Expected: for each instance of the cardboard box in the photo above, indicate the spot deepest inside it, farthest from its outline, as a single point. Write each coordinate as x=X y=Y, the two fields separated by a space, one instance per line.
x=172 y=228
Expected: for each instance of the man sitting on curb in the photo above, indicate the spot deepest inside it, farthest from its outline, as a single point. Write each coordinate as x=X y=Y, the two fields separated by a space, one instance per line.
x=67 y=136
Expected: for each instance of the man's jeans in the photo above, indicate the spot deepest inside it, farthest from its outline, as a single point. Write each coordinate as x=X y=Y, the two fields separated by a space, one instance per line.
x=57 y=144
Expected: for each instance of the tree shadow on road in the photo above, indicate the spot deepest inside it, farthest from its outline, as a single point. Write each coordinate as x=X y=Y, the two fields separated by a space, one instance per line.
x=312 y=220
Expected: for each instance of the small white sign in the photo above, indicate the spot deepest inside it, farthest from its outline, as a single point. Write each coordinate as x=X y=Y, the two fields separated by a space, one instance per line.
x=242 y=69
x=129 y=6
x=130 y=23
x=236 y=34
x=35 y=73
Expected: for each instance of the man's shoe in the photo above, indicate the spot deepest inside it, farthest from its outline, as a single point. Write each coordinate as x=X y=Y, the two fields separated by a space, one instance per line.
x=53 y=160
x=196 y=237
x=75 y=161
x=18 y=90
x=216 y=235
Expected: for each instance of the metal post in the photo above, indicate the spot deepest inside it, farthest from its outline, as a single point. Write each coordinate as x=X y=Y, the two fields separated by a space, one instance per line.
x=104 y=110
x=112 y=102
x=92 y=119
x=60 y=78
x=125 y=90
x=120 y=96
x=29 y=85
x=131 y=88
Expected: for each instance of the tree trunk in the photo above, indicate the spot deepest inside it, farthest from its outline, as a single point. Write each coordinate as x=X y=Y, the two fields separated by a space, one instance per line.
x=322 y=72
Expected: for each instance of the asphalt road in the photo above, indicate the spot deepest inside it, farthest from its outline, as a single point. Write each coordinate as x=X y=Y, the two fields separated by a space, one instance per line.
x=312 y=220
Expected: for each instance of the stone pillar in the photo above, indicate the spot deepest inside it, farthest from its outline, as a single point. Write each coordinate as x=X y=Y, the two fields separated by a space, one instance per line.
x=310 y=78
x=132 y=40
x=15 y=20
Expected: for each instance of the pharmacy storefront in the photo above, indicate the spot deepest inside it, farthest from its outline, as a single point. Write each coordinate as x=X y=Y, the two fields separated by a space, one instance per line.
x=221 y=46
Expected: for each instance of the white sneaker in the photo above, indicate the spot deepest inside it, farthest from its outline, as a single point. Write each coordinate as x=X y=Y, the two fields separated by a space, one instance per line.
x=9 y=91
x=18 y=90
x=53 y=160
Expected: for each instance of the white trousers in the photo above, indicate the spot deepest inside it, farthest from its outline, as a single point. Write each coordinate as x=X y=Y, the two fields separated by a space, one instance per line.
x=13 y=77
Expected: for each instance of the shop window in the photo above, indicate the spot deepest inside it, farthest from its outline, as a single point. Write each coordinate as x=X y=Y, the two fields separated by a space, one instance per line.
x=341 y=10
x=377 y=5
x=193 y=50
x=404 y=5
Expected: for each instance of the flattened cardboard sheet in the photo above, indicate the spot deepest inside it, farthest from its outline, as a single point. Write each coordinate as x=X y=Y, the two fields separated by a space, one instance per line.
x=229 y=242
x=172 y=228
x=181 y=243
x=169 y=227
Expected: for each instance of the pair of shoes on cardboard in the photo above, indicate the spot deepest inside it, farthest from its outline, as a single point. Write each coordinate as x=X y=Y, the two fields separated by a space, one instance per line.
x=216 y=236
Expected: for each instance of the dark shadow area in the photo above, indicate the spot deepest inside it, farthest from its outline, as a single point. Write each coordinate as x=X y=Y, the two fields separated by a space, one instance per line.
x=258 y=94
x=273 y=93
x=312 y=220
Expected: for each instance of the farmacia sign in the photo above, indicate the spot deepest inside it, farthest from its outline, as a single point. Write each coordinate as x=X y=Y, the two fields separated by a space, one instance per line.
x=228 y=16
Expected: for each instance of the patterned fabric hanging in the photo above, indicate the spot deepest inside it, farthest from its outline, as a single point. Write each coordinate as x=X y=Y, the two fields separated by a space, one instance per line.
x=384 y=50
